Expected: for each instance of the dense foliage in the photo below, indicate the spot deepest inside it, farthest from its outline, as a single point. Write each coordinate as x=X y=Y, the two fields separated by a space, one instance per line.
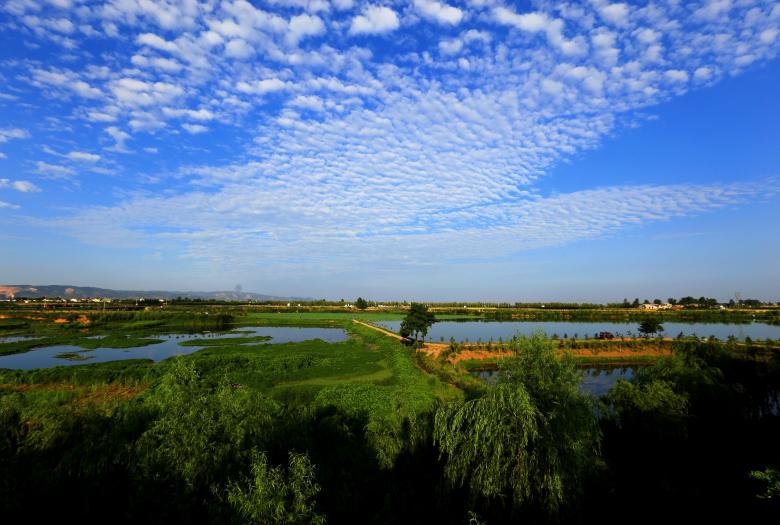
x=417 y=322
x=370 y=431
x=533 y=437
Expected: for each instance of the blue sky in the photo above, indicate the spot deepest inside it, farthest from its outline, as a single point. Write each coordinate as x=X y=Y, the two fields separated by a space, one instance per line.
x=403 y=149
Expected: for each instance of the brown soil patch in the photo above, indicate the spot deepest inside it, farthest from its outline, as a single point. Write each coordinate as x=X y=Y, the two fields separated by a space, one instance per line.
x=23 y=317
x=465 y=355
x=470 y=351
x=620 y=354
x=83 y=319
x=105 y=394
x=85 y=395
x=434 y=349
x=623 y=352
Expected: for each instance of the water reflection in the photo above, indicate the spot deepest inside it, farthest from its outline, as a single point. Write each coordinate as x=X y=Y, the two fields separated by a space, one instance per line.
x=484 y=331
x=596 y=380
x=169 y=346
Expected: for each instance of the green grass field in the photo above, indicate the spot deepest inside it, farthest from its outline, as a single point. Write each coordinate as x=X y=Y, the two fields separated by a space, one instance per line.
x=368 y=375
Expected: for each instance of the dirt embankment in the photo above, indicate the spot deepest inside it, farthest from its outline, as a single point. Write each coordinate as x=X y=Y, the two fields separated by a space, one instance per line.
x=619 y=354
x=82 y=319
x=474 y=351
x=378 y=329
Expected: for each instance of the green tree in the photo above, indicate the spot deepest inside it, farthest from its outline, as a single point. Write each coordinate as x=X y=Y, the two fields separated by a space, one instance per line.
x=650 y=406
x=202 y=430
x=361 y=303
x=417 y=322
x=650 y=326
x=275 y=496
x=771 y=480
x=532 y=437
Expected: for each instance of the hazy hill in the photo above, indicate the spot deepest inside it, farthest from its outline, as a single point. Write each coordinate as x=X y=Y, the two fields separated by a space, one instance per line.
x=81 y=292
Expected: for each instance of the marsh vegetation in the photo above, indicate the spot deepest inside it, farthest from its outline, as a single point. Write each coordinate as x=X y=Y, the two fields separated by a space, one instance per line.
x=369 y=430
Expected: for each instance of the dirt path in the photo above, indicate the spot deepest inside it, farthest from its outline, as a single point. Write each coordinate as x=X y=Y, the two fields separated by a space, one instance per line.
x=468 y=352
x=381 y=330
x=430 y=349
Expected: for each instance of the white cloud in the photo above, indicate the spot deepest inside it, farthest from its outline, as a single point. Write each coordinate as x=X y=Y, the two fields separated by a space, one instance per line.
x=343 y=5
x=164 y=64
x=66 y=80
x=62 y=4
x=132 y=92
x=450 y=47
x=194 y=129
x=238 y=48
x=53 y=170
x=702 y=73
x=536 y=22
x=167 y=14
x=309 y=102
x=302 y=26
x=677 y=75
x=439 y=12
x=768 y=36
x=261 y=87
x=553 y=87
x=616 y=14
x=100 y=116
x=712 y=9
x=200 y=114
x=8 y=206
x=375 y=20
x=7 y=134
x=120 y=137
x=349 y=133
x=19 y=185
x=83 y=156
x=156 y=42
x=531 y=22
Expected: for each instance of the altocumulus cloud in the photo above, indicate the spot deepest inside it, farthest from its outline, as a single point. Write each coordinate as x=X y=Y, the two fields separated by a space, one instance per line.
x=374 y=127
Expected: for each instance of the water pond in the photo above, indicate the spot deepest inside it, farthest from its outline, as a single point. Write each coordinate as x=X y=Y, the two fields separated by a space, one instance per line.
x=474 y=331
x=48 y=356
x=595 y=381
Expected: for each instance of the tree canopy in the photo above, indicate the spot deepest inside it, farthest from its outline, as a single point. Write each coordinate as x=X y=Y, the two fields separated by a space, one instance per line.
x=417 y=321
x=532 y=437
x=650 y=326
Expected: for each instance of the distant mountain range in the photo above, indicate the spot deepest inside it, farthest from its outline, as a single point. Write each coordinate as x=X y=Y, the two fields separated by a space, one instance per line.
x=83 y=292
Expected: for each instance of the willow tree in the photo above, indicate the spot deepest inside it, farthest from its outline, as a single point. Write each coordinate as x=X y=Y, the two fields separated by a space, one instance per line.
x=532 y=437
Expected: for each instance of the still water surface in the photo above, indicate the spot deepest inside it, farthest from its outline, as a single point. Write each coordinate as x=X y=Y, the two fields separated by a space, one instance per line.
x=596 y=381
x=46 y=356
x=485 y=330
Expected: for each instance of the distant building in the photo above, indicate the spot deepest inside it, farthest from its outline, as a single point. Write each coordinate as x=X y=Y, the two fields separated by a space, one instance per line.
x=665 y=306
